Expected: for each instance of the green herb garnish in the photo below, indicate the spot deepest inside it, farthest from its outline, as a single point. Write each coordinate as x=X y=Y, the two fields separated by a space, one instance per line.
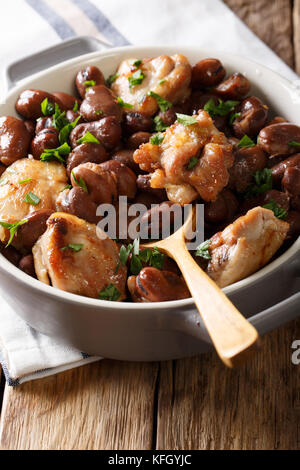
x=25 y=181
x=156 y=139
x=136 y=63
x=136 y=78
x=159 y=126
x=88 y=137
x=139 y=257
x=111 y=79
x=75 y=107
x=163 y=104
x=56 y=154
x=193 y=162
x=66 y=130
x=163 y=80
x=109 y=293
x=203 y=250
x=263 y=183
x=221 y=109
x=47 y=108
x=123 y=104
x=73 y=246
x=99 y=112
x=32 y=199
x=278 y=211
x=12 y=227
x=80 y=183
x=185 y=119
x=294 y=143
x=246 y=142
x=68 y=186
x=89 y=84
x=59 y=119
x=233 y=117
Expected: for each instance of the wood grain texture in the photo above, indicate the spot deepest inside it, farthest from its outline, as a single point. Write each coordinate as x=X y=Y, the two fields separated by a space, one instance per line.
x=203 y=405
x=271 y=21
x=296 y=37
x=105 y=405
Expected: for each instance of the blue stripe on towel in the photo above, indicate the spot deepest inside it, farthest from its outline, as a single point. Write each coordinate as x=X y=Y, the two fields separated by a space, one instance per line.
x=102 y=23
x=57 y=22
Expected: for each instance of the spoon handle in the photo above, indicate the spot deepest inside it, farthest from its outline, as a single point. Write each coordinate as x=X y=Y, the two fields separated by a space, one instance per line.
x=233 y=336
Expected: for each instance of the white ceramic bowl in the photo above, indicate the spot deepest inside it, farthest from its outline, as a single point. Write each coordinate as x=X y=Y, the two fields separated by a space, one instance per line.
x=161 y=330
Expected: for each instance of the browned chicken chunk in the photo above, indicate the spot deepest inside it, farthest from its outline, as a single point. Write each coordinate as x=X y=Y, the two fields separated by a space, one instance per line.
x=72 y=256
x=200 y=143
x=27 y=186
x=168 y=77
x=245 y=246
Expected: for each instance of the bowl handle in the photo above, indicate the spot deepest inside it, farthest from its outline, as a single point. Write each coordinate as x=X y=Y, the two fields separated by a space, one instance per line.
x=52 y=56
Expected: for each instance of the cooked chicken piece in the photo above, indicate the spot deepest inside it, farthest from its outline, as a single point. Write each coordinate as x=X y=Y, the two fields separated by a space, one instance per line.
x=43 y=179
x=168 y=77
x=245 y=246
x=86 y=269
x=169 y=161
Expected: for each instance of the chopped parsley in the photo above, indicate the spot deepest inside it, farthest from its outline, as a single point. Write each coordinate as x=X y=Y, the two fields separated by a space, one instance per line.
x=185 y=119
x=152 y=257
x=32 y=199
x=80 y=183
x=109 y=293
x=263 y=183
x=278 y=211
x=193 y=162
x=246 y=142
x=47 y=108
x=25 y=181
x=136 y=63
x=203 y=250
x=65 y=132
x=111 y=79
x=88 y=137
x=99 y=112
x=136 y=78
x=68 y=186
x=162 y=81
x=89 y=84
x=12 y=227
x=123 y=104
x=59 y=119
x=294 y=143
x=159 y=126
x=156 y=139
x=233 y=117
x=163 y=104
x=76 y=107
x=56 y=154
x=73 y=246
x=221 y=109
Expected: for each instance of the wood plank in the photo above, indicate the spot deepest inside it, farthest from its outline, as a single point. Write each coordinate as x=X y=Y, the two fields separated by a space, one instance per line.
x=269 y=20
x=203 y=405
x=105 y=405
x=296 y=19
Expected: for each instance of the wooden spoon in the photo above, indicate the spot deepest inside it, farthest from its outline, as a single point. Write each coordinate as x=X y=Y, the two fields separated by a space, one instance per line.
x=232 y=335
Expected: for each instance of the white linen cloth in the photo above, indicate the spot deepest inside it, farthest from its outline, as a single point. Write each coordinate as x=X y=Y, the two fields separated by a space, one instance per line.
x=27 y=26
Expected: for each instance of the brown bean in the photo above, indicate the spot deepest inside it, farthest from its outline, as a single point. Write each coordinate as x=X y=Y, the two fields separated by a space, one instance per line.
x=253 y=117
x=30 y=126
x=72 y=115
x=87 y=74
x=291 y=181
x=207 y=73
x=199 y=99
x=68 y=101
x=125 y=178
x=236 y=87
x=14 y=140
x=247 y=161
x=143 y=184
x=168 y=117
x=223 y=209
x=101 y=184
x=29 y=103
x=279 y=169
x=2 y=169
x=46 y=139
x=153 y=285
x=137 y=122
x=277 y=138
x=295 y=203
x=100 y=102
x=43 y=123
x=293 y=219
x=137 y=139
x=159 y=219
x=86 y=152
x=277 y=120
x=26 y=264
x=108 y=131
x=28 y=234
x=77 y=202
x=11 y=254
x=126 y=157
x=281 y=199
x=147 y=199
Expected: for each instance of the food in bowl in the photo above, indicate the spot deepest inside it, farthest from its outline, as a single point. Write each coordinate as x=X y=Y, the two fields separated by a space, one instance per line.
x=158 y=131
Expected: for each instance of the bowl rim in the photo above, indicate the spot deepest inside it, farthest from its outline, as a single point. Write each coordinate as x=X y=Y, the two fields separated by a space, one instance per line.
x=50 y=291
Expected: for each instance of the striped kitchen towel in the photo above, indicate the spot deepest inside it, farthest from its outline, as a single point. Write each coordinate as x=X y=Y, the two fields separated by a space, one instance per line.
x=27 y=26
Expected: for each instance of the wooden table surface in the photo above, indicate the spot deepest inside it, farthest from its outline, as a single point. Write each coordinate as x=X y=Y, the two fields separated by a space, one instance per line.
x=185 y=404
